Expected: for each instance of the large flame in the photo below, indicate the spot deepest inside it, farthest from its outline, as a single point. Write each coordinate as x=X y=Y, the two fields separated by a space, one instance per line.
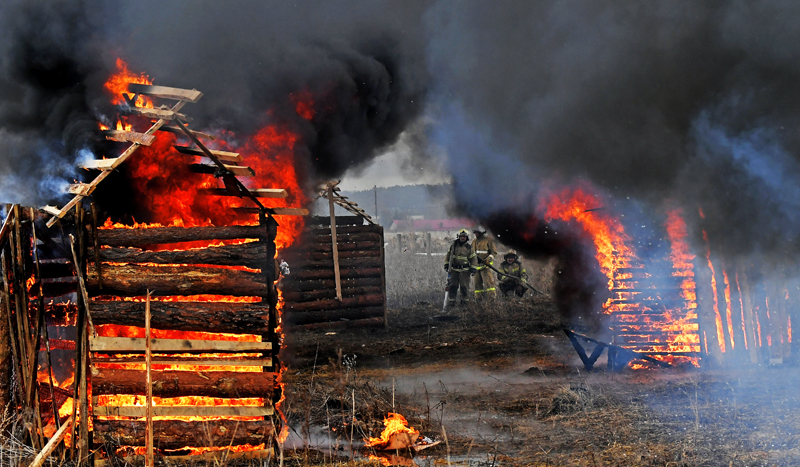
x=394 y=423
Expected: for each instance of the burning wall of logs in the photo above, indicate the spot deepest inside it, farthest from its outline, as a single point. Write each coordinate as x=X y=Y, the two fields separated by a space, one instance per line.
x=214 y=316
x=310 y=291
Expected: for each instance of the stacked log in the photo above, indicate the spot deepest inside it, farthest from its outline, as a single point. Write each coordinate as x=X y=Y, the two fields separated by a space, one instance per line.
x=309 y=291
x=222 y=288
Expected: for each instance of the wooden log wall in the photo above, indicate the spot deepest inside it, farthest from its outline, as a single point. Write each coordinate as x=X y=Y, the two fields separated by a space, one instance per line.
x=187 y=285
x=309 y=291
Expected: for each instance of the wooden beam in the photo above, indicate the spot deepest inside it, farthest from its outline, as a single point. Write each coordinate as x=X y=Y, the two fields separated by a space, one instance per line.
x=182 y=411
x=236 y=170
x=196 y=361
x=100 y=164
x=38 y=461
x=176 y=383
x=178 y=131
x=83 y=189
x=175 y=434
x=226 y=156
x=336 y=275
x=165 y=92
x=162 y=235
x=257 y=192
x=159 y=114
x=121 y=136
x=274 y=211
x=148 y=355
x=137 y=344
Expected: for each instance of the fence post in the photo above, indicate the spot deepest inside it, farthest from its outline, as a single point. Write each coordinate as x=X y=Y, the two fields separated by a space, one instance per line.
x=428 y=243
x=399 y=243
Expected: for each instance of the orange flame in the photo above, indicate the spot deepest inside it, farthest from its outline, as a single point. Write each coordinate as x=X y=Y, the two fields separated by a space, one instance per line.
x=717 y=316
x=117 y=84
x=394 y=423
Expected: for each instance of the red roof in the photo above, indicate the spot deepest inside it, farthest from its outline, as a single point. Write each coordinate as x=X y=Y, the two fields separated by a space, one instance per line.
x=432 y=224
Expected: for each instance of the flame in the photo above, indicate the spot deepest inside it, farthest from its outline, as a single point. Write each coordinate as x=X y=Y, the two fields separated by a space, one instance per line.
x=741 y=307
x=394 y=423
x=606 y=232
x=728 y=311
x=717 y=316
x=117 y=84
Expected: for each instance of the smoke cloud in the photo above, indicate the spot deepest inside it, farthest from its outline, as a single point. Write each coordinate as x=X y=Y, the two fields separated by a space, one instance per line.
x=692 y=102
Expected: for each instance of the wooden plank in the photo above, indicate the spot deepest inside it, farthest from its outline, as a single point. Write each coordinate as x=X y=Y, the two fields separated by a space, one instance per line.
x=51 y=445
x=334 y=247
x=100 y=164
x=175 y=434
x=178 y=131
x=137 y=344
x=129 y=137
x=221 y=155
x=159 y=114
x=197 y=361
x=176 y=383
x=273 y=211
x=182 y=411
x=239 y=171
x=248 y=254
x=148 y=356
x=83 y=189
x=162 y=235
x=257 y=192
x=164 y=92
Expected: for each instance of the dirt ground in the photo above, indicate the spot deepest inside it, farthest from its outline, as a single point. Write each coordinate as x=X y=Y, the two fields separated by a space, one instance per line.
x=504 y=385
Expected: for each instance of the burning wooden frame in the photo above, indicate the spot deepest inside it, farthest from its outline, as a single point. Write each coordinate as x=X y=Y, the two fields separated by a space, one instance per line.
x=214 y=315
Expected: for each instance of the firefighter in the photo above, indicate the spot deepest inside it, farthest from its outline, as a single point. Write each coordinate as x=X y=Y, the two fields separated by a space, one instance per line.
x=460 y=262
x=484 y=248
x=513 y=275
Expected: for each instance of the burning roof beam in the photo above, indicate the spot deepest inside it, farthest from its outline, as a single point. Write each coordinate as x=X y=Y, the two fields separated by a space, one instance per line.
x=221 y=155
x=258 y=192
x=184 y=95
x=239 y=171
x=158 y=114
x=129 y=137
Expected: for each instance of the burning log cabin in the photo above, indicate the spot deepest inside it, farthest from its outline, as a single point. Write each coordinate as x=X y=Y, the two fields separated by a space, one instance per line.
x=172 y=332
x=214 y=343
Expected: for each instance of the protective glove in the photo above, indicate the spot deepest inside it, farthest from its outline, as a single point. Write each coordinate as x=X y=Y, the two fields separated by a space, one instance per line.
x=472 y=271
x=490 y=259
x=446 y=267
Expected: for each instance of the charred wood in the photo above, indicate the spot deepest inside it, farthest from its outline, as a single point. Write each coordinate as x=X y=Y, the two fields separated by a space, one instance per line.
x=136 y=280
x=249 y=254
x=328 y=255
x=320 y=294
x=346 y=274
x=58 y=286
x=342 y=238
x=345 y=263
x=163 y=235
x=173 y=434
x=300 y=318
x=223 y=384
x=291 y=285
x=342 y=247
x=369 y=322
x=240 y=318
x=333 y=304
x=324 y=229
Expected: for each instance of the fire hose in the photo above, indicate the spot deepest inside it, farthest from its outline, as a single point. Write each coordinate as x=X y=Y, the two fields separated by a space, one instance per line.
x=519 y=280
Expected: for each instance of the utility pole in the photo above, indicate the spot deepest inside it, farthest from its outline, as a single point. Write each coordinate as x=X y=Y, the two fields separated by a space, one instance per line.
x=375 y=190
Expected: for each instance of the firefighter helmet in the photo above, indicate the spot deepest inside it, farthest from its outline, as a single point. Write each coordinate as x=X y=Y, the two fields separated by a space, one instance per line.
x=463 y=233
x=479 y=229
x=510 y=253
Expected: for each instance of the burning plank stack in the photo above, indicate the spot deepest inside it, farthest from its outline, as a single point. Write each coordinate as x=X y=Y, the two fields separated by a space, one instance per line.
x=214 y=289
x=650 y=312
